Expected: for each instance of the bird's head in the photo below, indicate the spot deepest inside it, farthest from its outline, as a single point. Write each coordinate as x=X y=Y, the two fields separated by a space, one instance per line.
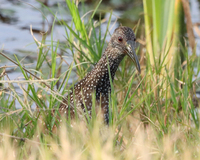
x=124 y=40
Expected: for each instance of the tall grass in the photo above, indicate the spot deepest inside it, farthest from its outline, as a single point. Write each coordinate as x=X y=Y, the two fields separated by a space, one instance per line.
x=142 y=126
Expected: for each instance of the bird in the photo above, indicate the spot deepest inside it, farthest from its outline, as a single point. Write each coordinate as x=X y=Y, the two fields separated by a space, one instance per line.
x=97 y=81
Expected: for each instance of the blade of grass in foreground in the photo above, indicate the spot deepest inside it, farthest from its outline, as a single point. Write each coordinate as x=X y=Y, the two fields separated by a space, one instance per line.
x=29 y=85
x=77 y=20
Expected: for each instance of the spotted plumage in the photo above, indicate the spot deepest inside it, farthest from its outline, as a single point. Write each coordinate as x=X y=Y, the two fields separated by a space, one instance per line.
x=97 y=81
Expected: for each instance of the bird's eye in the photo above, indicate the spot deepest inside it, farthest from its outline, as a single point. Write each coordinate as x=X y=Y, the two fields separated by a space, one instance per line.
x=120 y=39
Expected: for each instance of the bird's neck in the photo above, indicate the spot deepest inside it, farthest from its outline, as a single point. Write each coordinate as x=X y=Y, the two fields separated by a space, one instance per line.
x=109 y=61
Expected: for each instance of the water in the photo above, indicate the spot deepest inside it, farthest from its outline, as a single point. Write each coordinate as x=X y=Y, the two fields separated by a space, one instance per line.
x=15 y=34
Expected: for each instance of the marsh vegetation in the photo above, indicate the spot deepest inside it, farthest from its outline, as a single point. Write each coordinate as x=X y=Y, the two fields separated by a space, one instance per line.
x=155 y=114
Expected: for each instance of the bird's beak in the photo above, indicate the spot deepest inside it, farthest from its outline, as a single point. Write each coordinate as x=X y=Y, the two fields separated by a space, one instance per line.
x=131 y=53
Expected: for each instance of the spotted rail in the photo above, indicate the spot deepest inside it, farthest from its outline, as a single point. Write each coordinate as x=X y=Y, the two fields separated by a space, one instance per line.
x=97 y=81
